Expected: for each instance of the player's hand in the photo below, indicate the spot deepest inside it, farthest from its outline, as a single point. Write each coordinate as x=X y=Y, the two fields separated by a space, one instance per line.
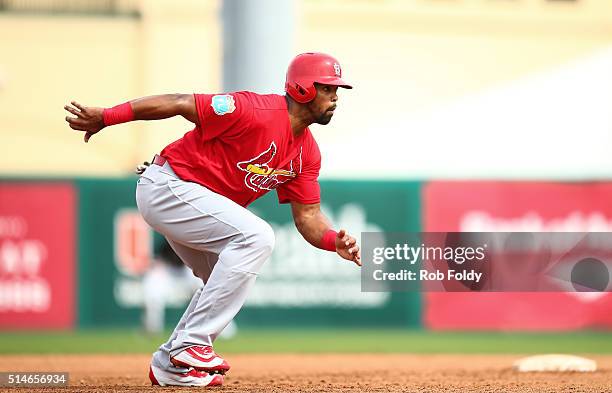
x=87 y=119
x=347 y=248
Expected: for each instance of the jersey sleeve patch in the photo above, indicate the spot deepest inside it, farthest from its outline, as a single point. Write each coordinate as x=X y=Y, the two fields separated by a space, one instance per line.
x=223 y=104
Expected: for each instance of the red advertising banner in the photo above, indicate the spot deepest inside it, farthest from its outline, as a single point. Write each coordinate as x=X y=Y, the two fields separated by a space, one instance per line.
x=37 y=255
x=480 y=206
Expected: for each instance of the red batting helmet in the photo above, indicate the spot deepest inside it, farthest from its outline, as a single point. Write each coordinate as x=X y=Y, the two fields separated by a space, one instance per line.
x=308 y=68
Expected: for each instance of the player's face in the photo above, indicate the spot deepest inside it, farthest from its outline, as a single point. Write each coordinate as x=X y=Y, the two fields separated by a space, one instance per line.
x=323 y=106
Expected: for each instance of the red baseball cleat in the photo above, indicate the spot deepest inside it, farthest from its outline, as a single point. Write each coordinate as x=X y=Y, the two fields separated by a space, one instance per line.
x=191 y=378
x=202 y=358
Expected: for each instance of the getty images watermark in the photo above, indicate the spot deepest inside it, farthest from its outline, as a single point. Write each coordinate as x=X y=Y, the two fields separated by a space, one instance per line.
x=486 y=262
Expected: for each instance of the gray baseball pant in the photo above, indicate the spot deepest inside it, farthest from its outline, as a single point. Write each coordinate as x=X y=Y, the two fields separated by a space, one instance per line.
x=222 y=242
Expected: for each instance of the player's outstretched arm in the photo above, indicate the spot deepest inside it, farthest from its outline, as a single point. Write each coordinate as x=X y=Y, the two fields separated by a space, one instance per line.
x=316 y=229
x=93 y=119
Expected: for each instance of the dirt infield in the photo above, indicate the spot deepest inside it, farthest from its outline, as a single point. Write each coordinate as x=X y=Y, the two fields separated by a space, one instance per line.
x=321 y=373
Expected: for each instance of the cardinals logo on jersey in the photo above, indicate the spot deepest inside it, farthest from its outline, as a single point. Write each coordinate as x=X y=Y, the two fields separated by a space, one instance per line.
x=260 y=176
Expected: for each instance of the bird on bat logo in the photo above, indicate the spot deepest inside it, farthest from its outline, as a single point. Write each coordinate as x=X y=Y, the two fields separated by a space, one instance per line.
x=261 y=176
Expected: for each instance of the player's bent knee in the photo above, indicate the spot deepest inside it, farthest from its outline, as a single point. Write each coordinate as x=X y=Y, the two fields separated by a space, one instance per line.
x=269 y=238
x=264 y=238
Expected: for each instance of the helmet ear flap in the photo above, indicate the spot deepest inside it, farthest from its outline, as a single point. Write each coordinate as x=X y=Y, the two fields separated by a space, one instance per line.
x=301 y=90
x=301 y=94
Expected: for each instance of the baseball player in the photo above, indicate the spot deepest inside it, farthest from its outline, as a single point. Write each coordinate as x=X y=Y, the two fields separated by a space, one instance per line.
x=196 y=191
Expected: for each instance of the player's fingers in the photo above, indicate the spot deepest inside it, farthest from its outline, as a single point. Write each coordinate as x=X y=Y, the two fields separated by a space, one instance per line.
x=72 y=110
x=74 y=120
x=350 y=241
x=79 y=106
x=87 y=136
x=341 y=233
x=353 y=250
x=75 y=124
x=70 y=106
x=77 y=127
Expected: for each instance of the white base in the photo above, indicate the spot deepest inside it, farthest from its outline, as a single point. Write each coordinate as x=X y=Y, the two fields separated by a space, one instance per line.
x=554 y=362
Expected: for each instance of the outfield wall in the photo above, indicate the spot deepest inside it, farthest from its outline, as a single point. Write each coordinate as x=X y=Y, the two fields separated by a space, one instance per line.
x=73 y=253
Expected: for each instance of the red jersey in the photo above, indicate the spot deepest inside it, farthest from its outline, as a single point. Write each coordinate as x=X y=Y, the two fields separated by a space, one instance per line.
x=244 y=147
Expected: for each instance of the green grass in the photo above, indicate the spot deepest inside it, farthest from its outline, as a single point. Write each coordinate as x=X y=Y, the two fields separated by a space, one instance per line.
x=317 y=341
